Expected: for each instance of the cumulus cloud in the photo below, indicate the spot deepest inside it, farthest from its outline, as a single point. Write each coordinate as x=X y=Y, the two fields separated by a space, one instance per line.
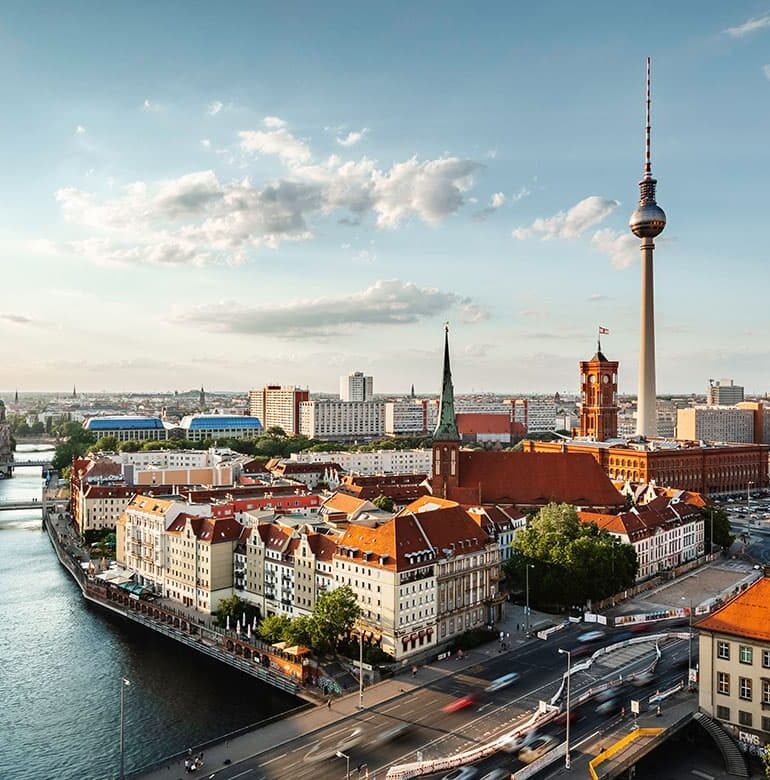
x=386 y=302
x=80 y=130
x=148 y=105
x=571 y=223
x=198 y=219
x=273 y=122
x=205 y=143
x=212 y=109
x=622 y=248
x=353 y=137
x=750 y=26
x=276 y=142
x=495 y=202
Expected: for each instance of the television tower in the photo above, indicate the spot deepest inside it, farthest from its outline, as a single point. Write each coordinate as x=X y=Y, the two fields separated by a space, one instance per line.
x=647 y=222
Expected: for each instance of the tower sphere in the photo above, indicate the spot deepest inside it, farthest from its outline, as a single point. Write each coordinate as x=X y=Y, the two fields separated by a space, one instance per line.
x=648 y=220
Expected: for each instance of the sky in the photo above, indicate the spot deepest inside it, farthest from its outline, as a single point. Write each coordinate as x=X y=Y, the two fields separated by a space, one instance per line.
x=234 y=194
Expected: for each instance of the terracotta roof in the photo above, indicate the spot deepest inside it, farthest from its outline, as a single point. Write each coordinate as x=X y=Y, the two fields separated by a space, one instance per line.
x=342 y=502
x=399 y=493
x=643 y=521
x=322 y=545
x=104 y=491
x=747 y=615
x=483 y=422
x=428 y=503
x=409 y=541
x=150 y=504
x=383 y=480
x=533 y=479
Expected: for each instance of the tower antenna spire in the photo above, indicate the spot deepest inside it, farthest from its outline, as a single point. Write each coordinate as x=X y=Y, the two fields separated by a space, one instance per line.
x=647 y=162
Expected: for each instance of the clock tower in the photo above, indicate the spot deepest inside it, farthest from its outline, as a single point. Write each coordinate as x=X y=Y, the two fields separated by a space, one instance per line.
x=599 y=397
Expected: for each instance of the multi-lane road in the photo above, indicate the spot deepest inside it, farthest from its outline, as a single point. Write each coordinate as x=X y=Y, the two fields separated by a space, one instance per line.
x=426 y=732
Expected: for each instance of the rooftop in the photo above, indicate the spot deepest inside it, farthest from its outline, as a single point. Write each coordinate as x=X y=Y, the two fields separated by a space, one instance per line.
x=217 y=421
x=123 y=422
x=747 y=615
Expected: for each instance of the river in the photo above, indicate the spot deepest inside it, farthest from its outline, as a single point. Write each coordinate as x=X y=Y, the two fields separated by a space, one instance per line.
x=61 y=662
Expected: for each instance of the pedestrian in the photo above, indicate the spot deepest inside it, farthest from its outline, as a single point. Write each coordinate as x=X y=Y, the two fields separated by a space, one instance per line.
x=518 y=626
x=328 y=703
x=414 y=672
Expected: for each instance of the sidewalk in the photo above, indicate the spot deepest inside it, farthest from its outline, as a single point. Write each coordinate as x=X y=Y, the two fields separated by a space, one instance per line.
x=283 y=730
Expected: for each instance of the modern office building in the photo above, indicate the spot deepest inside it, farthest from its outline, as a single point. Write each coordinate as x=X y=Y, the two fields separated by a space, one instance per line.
x=723 y=392
x=278 y=406
x=356 y=387
x=342 y=420
x=202 y=427
x=127 y=427
x=715 y=424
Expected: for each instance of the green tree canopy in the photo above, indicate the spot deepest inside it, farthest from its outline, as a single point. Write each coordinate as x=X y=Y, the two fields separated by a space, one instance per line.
x=570 y=562
x=273 y=627
x=105 y=444
x=235 y=607
x=384 y=502
x=300 y=631
x=334 y=614
x=722 y=535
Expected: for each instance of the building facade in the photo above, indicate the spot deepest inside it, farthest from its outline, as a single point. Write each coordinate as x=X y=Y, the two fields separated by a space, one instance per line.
x=723 y=392
x=715 y=424
x=127 y=427
x=356 y=387
x=369 y=463
x=599 y=397
x=203 y=427
x=405 y=417
x=342 y=420
x=278 y=406
x=734 y=666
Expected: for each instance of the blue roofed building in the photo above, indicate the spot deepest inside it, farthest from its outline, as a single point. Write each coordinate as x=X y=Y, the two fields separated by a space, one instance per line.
x=198 y=427
x=127 y=427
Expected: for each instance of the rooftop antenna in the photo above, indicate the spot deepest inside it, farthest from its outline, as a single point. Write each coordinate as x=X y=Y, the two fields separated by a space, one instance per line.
x=647 y=163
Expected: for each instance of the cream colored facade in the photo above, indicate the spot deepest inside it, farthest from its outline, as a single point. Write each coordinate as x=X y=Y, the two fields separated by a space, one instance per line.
x=100 y=507
x=734 y=685
x=715 y=423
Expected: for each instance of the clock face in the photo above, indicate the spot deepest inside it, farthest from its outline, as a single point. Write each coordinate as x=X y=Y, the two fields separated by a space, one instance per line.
x=605 y=379
x=592 y=379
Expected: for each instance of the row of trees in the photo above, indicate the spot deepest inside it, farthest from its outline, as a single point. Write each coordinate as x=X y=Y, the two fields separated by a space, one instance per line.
x=325 y=630
x=571 y=563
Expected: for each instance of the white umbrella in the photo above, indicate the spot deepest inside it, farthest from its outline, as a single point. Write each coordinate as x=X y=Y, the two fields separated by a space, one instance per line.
x=228 y=623
x=238 y=627
x=254 y=624
x=248 y=631
x=243 y=619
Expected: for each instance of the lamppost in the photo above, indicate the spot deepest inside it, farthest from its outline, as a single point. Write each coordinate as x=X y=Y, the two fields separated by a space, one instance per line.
x=360 y=668
x=689 y=644
x=711 y=545
x=526 y=569
x=340 y=754
x=748 y=511
x=568 y=653
x=124 y=683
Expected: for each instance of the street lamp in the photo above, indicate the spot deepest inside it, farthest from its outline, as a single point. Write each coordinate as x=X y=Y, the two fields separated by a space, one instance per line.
x=340 y=754
x=748 y=510
x=568 y=653
x=689 y=644
x=124 y=683
x=711 y=543
x=526 y=569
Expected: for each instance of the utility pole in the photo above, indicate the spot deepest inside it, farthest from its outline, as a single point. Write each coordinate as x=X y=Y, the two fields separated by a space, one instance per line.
x=568 y=653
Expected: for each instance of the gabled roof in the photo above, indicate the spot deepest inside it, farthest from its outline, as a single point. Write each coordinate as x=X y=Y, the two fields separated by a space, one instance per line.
x=747 y=615
x=428 y=503
x=644 y=521
x=322 y=545
x=211 y=530
x=530 y=478
x=342 y=502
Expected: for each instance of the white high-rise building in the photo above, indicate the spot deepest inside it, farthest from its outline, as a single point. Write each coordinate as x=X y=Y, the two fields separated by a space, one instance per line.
x=356 y=387
x=406 y=417
x=341 y=419
x=277 y=406
x=715 y=423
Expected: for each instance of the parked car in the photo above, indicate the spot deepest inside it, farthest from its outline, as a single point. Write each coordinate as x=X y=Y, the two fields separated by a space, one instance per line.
x=538 y=747
x=503 y=682
x=460 y=704
x=463 y=773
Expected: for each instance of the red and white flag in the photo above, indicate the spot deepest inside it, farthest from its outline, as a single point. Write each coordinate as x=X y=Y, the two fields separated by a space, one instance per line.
x=604 y=331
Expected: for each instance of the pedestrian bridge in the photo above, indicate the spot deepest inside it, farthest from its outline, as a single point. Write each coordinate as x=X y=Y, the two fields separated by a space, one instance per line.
x=9 y=505
x=25 y=463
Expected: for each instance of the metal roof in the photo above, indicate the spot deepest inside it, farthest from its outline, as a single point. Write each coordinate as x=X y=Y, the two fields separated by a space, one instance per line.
x=219 y=422
x=123 y=423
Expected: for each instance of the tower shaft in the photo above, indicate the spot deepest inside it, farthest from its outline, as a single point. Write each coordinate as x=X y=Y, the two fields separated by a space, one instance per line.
x=646 y=414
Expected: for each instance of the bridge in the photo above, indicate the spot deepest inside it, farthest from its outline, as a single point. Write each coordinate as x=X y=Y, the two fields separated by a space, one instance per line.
x=10 y=505
x=25 y=463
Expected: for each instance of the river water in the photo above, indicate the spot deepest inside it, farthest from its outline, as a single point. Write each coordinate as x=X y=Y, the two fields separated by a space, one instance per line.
x=61 y=662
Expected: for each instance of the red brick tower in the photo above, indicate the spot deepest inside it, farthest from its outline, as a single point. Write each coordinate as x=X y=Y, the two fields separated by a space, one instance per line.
x=599 y=397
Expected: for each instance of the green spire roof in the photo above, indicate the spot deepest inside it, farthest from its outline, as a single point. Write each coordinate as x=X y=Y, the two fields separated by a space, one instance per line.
x=446 y=428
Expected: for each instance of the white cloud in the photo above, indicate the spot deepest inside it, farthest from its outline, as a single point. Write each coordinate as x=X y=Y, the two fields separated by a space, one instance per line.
x=752 y=25
x=520 y=195
x=80 y=130
x=205 y=143
x=386 y=302
x=353 y=137
x=198 y=219
x=212 y=109
x=571 y=223
x=16 y=319
x=497 y=200
x=274 y=122
x=622 y=248
x=148 y=105
x=766 y=71
x=278 y=142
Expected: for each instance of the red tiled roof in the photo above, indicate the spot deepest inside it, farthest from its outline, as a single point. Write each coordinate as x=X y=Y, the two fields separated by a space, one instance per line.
x=473 y=423
x=527 y=478
x=747 y=615
x=395 y=544
x=208 y=529
x=322 y=545
x=104 y=491
x=643 y=521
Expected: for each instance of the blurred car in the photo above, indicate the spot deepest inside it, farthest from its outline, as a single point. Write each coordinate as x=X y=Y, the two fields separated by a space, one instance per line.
x=497 y=774
x=503 y=682
x=538 y=747
x=463 y=773
x=608 y=707
x=399 y=730
x=607 y=694
x=460 y=704
x=561 y=718
x=591 y=636
x=351 y=740
x=643 y=678
x=513 y=743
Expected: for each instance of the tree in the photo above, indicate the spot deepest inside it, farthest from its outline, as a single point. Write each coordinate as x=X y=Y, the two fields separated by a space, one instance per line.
x=334 y=614
x=129 y=446
x=273 y=627
x=722 y=536
x=276 y=432
x=300 y=631
x=235 y=608
x=571 y=562
x=764 y=756
x=77 y=441
x=105 y=444
x=384 y=502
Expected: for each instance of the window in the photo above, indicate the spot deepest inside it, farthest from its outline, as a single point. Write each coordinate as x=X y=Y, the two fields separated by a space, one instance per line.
x=766 y=659
x=765 y=691
x=744 y=718
x=746 y=654
x=723 y=683
x=765 y=723
x=744 y=688
x=723 y=650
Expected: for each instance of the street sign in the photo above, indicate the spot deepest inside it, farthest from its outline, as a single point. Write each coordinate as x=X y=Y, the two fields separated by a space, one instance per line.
x=635 y=706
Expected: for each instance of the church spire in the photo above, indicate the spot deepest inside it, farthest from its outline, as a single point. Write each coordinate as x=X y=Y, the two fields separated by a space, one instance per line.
x=446 y=428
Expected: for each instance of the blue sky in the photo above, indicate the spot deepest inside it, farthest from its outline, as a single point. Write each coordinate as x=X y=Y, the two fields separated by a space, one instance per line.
x=240 y=193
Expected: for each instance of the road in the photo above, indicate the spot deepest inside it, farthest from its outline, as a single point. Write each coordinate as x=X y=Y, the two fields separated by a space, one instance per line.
x=434 y=733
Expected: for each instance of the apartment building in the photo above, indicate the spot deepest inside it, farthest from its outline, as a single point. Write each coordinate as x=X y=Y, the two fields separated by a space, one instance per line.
x=417 y=461
x=405 y=417
x=278 y=406
x=356 y=387
x=662 y=538
x=535 y=415
x=421 y=580
x=715 y=424
x=98 y=507
x=723 y=392
x=341 y=420
x=734 y=666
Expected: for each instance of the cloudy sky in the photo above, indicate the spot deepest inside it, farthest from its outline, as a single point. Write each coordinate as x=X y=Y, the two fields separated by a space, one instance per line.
x=239 y=193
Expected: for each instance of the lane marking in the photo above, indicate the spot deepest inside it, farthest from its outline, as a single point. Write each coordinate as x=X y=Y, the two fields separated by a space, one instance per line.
x=277 y=758
x=241 y=774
